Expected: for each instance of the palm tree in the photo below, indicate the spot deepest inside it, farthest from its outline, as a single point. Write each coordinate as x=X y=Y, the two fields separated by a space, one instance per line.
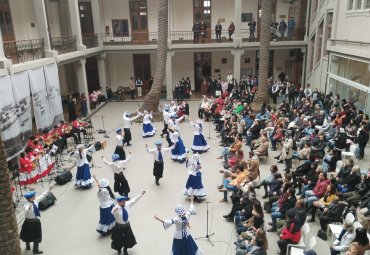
x=265 y=38
x=151 y=101
x=9 y=239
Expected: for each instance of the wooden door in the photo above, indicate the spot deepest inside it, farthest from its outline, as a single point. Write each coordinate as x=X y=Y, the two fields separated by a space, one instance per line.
x=202 y=68
x=139 y=21
x=142 y=69
x=86 y=18
x=6 y=24
x=92 y=74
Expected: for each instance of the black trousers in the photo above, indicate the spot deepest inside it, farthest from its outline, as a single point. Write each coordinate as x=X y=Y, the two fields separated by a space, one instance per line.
x=121 y=185
x=283 y=244
x=165 y=127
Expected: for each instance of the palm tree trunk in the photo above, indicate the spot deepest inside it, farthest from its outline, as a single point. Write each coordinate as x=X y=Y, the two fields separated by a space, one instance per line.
x=9 y=239
x=262 y=94
x=151 y=101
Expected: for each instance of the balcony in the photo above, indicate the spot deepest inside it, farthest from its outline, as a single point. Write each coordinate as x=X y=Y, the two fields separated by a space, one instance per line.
x=90 y=40
x=64 y=44
x=130 y=38
x=24 y=50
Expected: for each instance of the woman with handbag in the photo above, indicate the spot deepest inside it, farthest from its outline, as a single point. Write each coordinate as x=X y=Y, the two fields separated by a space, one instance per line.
x=255 y=221
x=325 y=201
x=291 y=234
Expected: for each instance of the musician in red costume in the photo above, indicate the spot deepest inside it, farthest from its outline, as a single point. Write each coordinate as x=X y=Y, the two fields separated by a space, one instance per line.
x=78 y=128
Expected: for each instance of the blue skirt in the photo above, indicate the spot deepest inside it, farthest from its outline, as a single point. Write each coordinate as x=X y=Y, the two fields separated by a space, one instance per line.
x=107 y=221
x=185 y=246
x=199 y=144
x=194 y=186
x=148 y=130
x=179 y=152
x=83 y=176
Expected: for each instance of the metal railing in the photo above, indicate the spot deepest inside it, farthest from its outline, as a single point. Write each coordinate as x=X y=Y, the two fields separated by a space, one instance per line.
x=130 y=38
x=90 y=40
x=64 y=44
x=24 y=50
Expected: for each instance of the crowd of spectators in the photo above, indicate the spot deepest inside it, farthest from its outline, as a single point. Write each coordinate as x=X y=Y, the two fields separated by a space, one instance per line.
x=321 y=134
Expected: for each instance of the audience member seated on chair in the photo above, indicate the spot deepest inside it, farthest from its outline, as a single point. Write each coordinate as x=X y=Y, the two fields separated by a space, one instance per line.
x=324 y=202
x=291 y=234
x=345 y=238
x=360 y=244
x=278 y=212
x=229 y=151
x=262 y=150
x=332 y=213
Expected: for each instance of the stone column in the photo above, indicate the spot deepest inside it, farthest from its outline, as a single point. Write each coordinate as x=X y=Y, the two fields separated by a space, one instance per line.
x=75 y=23
x=82 y=80
x=237 y=56
x=95 y=5
x=42 y=26
x=102 y=74
x=238 y=22
x=169 y=77
x=4 y=62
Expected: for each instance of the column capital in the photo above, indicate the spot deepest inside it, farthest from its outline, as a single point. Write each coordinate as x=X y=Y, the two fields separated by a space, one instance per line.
x=102 y=56
x=170 y=53
x=82 y=62
x=303 y=50
x=237 y=51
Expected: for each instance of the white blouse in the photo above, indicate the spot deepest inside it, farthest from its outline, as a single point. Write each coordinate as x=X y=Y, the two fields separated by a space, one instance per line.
x=83 y=159
x=119 y=140
x=194 y=168
x=104 y=198
x=117 y=166
x=198 y=129
x=127 y=121
x=181 y=229
x=29 y=212
x=146 y=118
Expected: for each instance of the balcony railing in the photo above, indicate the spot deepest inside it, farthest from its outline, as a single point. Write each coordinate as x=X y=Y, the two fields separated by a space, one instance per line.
x=90 y=40
x=24 y=50
x=64 y=44
x=130 y=38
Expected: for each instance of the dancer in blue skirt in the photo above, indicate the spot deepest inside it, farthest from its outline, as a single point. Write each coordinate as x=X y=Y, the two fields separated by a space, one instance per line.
x=179 y=152
x=194 y=186
x=183 y=243
x=83 y=176
x=106 y=198
x=148 y=129
x=199 y=143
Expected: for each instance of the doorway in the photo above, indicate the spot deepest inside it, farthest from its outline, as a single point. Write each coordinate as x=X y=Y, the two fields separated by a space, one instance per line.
x=271 y=63
x=92 y=74
x=139 y=21
x=202 y=68
x=142 y=69
x=202 y=12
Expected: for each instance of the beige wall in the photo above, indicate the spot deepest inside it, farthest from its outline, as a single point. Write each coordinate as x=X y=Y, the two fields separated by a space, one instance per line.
x=181 y=15
x=224 y=68
x=183 y=66
x=54 y=18
x=224 y=11
x=23 y=14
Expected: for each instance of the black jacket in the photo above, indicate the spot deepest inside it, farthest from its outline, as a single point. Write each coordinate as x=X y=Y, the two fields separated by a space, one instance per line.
x=289 y=204
x=336 y=209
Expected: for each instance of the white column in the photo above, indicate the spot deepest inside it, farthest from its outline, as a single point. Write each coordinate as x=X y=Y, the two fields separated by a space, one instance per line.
x=75 y=23
x=237 y=56
x=82 y=80
x=96 y=19
x=102 y=75
x=238 y=22
x=42 y=26
x=169 y=77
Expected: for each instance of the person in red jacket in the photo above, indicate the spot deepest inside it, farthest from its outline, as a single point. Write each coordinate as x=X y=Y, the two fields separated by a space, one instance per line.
x=318 y=191
x=291 y=234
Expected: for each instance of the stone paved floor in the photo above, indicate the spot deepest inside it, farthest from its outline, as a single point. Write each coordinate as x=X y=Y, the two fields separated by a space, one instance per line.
x=69 y=225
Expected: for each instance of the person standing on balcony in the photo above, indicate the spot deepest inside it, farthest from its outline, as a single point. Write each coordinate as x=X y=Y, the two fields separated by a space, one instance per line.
x=132 y=88
x=139 y=85
x=196 y=31
x=282 y=28
x=291 y=26
x=203 y=30
x=218 y=30
x=252 y=28
x=231 y=30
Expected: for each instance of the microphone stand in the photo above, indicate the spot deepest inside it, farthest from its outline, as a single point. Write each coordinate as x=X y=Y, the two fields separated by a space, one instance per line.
x=208 y=235
x=103 y=131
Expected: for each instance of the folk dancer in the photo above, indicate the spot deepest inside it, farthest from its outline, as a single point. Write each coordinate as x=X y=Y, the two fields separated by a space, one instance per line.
x=31 y=228
x=199 y=143
x=127 y=122
x=183 y=243
x=194 y=187
x=106 y=200
x=119 y=147
x=179 y=152
x=173 y=123
x=166 y=118
x=148 y=129
x=120 y=183
x=122 y=235
x=158 y=154
x=83 y=175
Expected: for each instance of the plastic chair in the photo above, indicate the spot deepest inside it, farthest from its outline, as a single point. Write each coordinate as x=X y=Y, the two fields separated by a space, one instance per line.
x=299 y=251
x=350 y=153
x=305 y=230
